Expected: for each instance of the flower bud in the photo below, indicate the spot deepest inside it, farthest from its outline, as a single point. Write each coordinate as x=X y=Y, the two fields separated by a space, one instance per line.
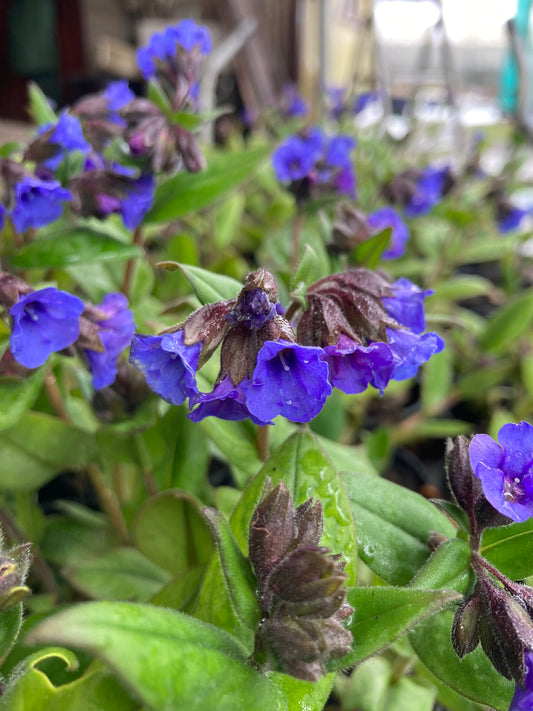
x=465 y=637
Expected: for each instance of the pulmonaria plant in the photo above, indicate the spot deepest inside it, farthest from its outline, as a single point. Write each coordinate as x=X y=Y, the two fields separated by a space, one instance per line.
x=301 y=587
x=418 y=191
x=313 y=163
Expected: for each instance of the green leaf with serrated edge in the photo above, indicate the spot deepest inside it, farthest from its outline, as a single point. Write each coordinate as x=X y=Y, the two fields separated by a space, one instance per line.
x=308 y=268
x=368 y=253
x=165 y=658
x=227 y=597
x=10 y=622
x=510 y=549
x=308 y=473
x=78 y=245
x=40 y=108
x=121 y=574
x=383 y=614
x=208 y=286
x=170 y=530
x=38 y=447
x=447 y=568
x=393 y=526
x=17 y=396
x=508 y=323
x=303 y=695
x=188 y=192
x=473 y=676
x=96 y=690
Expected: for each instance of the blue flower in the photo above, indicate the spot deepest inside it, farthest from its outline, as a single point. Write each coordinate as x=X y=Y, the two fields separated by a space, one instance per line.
x=407 y=304
x=138 y=200
x=410 y=346
x=292 y=104
x=293 y=160
x=117 y=95
x=38 y=202
x=509 y=217
x=335 y=97
x=506 y=469
x=115 y=329
x=289 y=380
x=163 y=46
x=523 y=698
x=388 y=217
x=226 y=401
x=44 y=321
x=428 y=191
x=168 y=364
x=353 y=367
x=3 y=213
x=66 y=136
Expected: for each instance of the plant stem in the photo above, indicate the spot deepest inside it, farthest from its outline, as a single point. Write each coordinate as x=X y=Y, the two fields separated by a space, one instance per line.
x=130 y=264
x=109 y=502
x=295 y=241
x=52 y=389
x=261 y=442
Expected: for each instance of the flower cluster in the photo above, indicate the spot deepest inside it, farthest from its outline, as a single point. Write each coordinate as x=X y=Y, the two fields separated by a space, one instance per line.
x=302 y=597
x=358 y=330
x=50 y=320
x=312 y=162
x=418 y=191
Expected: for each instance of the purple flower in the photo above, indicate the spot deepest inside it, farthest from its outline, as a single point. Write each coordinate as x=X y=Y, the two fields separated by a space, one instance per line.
x=335 y=97
x=509 y=218
x=352 y=367
x=3 y=213
x=138 y=200
x=338 y=151
x=67 y=136
x=293 y=160
x=364 y=99
x=410 y=350
x=44 y=321
x=168 y=364
x=388 y=217
x=163 y=46
x=292 y=104
x=118 y=94
x=523 y=698
x=506 y=469
x=226 y=401
x=428 y=191
x=407 y=304
x=38 y=202
x=410 y=346
x=115 y=331
x=289 y=380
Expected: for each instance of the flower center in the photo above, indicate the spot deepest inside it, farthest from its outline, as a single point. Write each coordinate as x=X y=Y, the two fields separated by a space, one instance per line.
x=513 y=490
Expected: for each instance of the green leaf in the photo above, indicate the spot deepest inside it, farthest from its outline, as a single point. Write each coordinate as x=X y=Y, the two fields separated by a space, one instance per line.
x=368 y=253
x=510 y=549
x=7 y=149
x=463 y=286
x=383 y=614
x=307 y=471
x=189 y=192
x=10 y=622
x=208 y=286
x=40 y=446
x=77 y=245
x=508 y=323
x=437 y=380
x=96 y=690
x=227 y=597
x=393 y=526
x=447 y=568
x=122 y=574
x=308 y=268
x=407 y=695
x=228 y=215
x=170 y=530
x=367 y=686
x=158 y=97
x=304 y=695
x=166 y=658
x=40 y=109
x=17 y=396
x=473 y=676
